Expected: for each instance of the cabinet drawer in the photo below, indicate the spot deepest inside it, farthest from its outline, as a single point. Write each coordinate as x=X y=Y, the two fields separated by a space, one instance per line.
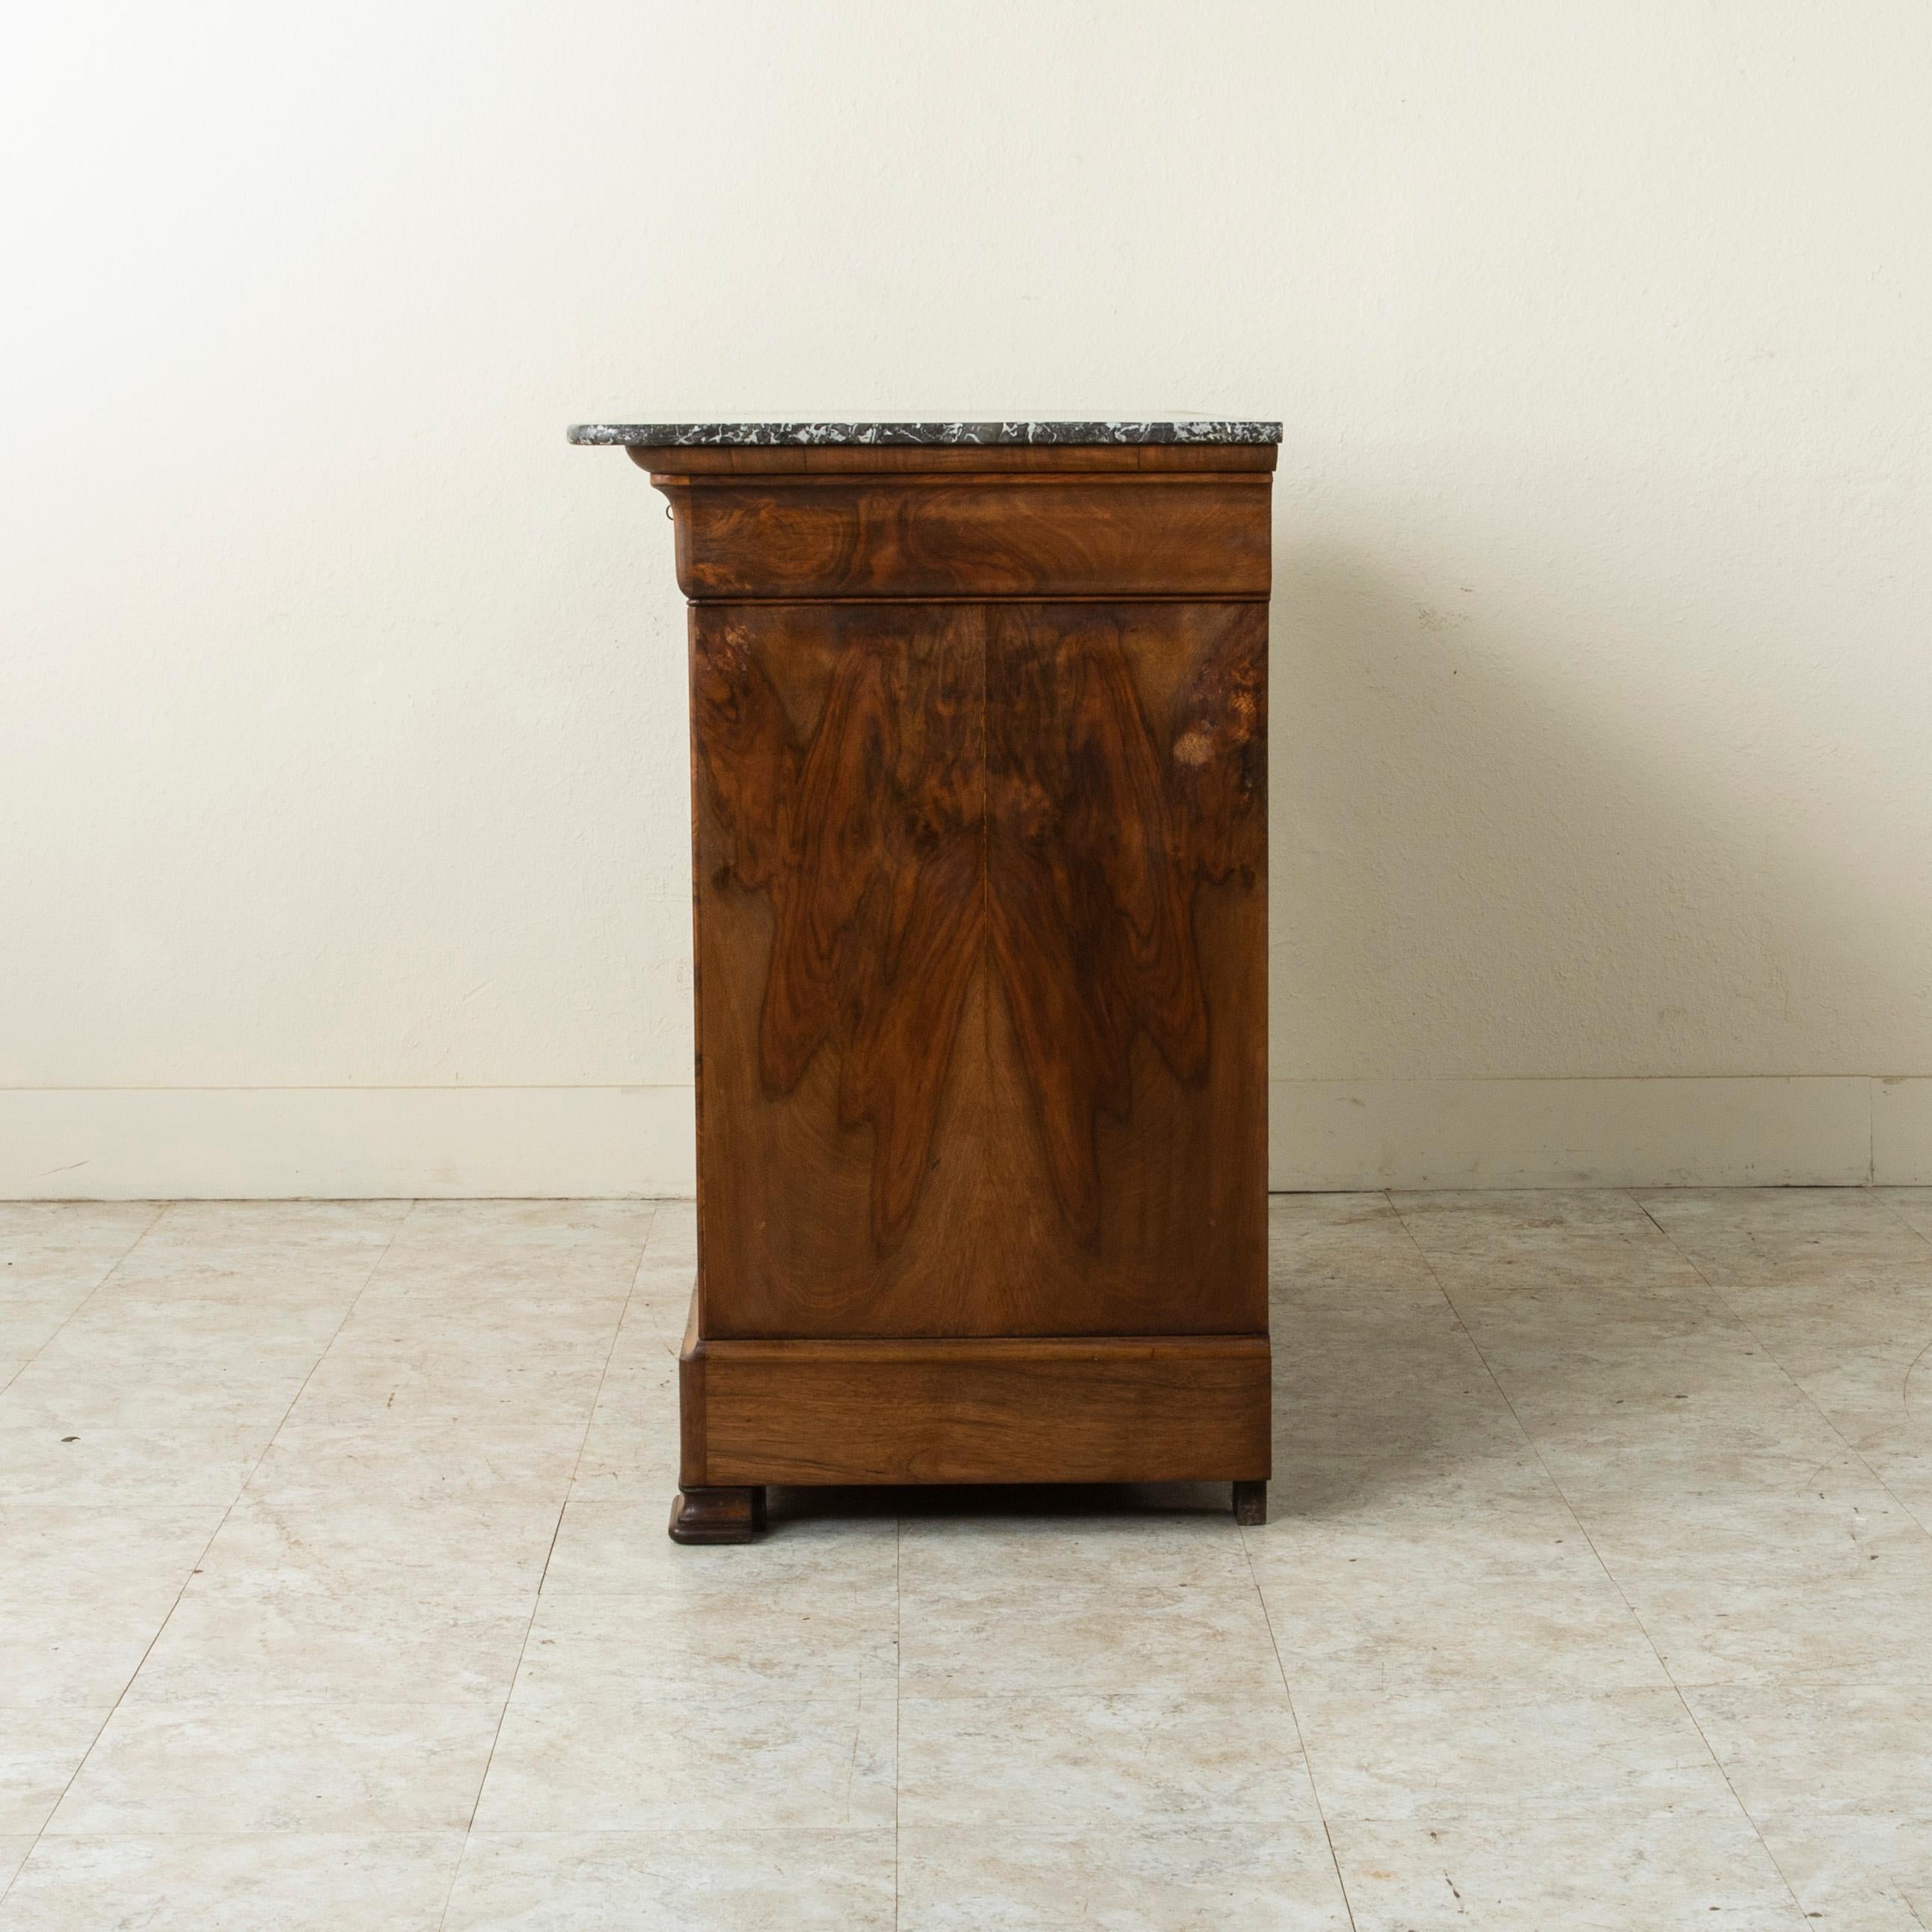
x=998 y=536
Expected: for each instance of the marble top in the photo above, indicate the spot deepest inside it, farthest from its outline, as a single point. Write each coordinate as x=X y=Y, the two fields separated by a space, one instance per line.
x=725 y=435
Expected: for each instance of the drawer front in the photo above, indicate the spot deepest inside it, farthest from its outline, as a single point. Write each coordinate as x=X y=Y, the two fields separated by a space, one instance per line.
x=1001 y=536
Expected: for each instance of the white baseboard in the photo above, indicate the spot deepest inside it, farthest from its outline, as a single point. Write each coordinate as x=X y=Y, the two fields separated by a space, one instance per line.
x=351 y=1142
x=344 y=1143
x=1902 y=1132
x=1708 y=1132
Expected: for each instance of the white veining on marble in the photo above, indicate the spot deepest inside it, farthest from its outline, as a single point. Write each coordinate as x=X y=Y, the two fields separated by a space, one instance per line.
x=743 y=435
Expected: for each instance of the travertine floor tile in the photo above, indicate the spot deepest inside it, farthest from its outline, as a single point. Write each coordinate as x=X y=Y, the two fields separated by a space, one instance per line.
x=1602 y=1868
x=1855 y=1873
x=1744 y=1234
x=1710 y=1392
x=703 y=1633
x=1505 y=1242
x=673 y=1234
x=1066 y=1762
x=1825 y=1521
x=1490 y=1518
x=262 y=1253
x=466 y=1549
x=628 y=1457
x=281 y=1768
x=1901 y=1459
x=1595 y=1478
x=1367 y=1374
x=1869 y=1623
x=1913 y=1205
x=454 y=1227
x=1432 y=1428
x=1321 y=1244
x=53 y=1256
x=40 y=1750
x=83 y=1591
x=1522 y=1447
x=203 y=1463
x=1805 y=1325
x=631 y=1448
x=355 y=1387
x=1823 y=1749
x=1441 y=1753
x=274 y=1882
x=538 y=1332
x=121 y=1346
x=67 y=1241
x=657 y=1313
x=227 y=1647
x=712 y=1880
x=641 y=1383
x=13 y=1856
x=368 y=1602
x=960 y=1641
x=747 y=1760
x=424 y=1459
x=1177 y=1878
x=1880 y=1397
x=619 y=1548
x=1413 y=1633
x=940 y=1554
x=586 y=1249
x=563 y=1294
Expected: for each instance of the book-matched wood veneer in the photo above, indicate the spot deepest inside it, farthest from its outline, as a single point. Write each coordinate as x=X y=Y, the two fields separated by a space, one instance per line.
x=979 y=843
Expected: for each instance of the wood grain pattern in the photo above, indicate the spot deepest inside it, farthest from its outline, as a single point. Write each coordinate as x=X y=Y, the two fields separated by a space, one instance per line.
x=979 y=860
x=1139 y=1409
x=868 y=840
x=1202 y=534
x=1102 y=824
x=986 y=890
x=726 y=1515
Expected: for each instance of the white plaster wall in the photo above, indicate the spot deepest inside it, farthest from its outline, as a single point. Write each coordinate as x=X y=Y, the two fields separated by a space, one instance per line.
x=343 y=794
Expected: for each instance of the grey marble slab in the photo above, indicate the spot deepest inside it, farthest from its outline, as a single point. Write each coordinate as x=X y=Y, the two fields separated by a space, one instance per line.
x=726 y=435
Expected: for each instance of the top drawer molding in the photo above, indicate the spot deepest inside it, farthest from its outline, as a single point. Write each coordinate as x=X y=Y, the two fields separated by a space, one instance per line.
x=1203 y=534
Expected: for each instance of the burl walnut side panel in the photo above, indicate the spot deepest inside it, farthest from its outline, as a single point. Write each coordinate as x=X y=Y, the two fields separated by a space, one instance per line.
x=982 y=967
x=980 y=836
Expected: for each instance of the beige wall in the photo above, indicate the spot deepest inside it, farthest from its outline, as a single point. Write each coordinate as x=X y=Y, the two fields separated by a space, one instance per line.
x=341 y=749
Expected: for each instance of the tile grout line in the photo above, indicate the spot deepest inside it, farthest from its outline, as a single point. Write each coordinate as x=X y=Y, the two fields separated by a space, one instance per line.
x=1643 y=1208
x=1874 y=1192
x=1294 y=1716
x=898 y=1700
x=161 y=1208
x=242 y=1489
x=536 y=1595
x=1590 y=1542
x=1770 y=1355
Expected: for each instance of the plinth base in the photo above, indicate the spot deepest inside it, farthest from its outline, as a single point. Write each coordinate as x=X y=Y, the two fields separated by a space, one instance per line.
x=1092 y=1409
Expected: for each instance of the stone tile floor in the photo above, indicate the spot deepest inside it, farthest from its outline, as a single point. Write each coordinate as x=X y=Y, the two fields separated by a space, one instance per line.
x=334 y=1592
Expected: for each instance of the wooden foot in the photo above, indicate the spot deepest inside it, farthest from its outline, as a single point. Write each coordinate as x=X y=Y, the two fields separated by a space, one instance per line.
x=1251 y=1504
x=717 y=1515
